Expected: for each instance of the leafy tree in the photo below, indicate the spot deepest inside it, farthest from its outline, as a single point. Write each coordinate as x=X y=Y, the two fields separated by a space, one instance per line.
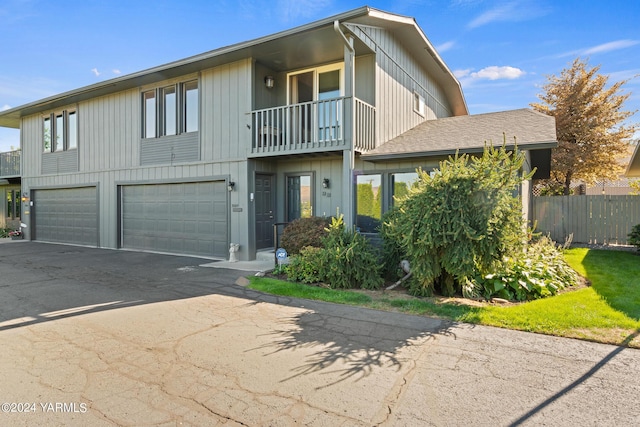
x=400 y=189
x=635 y=187
x=459 y=223
x=365 y=202
x=589 y=122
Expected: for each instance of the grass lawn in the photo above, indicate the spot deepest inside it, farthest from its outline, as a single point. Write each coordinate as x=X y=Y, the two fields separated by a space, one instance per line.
x=608 y=311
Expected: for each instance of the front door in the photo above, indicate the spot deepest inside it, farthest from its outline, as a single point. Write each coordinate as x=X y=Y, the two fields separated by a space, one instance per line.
x=264 y=203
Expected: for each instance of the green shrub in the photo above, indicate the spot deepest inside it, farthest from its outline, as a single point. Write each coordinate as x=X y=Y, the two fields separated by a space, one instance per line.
x=461 y=221
x=392 y=252
x=304 y=232
x=634 y=236
x=346 y=260
x=305 y=267
x=538 y=272
x=4 y=232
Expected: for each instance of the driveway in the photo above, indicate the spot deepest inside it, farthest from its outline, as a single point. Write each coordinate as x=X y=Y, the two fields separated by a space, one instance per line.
x=101 y=338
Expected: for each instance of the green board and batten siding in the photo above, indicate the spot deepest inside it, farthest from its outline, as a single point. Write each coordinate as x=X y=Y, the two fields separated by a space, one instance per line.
x=111 y=156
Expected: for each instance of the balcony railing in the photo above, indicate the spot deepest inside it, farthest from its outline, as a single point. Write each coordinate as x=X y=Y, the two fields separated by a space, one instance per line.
x=10 y=164
x=310 y=127
x=365 y=122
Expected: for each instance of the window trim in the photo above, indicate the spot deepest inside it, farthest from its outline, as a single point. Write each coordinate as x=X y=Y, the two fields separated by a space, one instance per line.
x=56 y=120
x=68 y=146
x=47 y=132
x=312 y=191
x=166 y=108
x=381 y=192
x=419 y=104
x=180 y=113
x=336 y=66
x=184 y=113
x=145 y=128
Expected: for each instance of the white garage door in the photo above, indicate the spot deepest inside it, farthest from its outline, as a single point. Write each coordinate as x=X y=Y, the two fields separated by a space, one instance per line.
x=184 y=218
x=66 y=215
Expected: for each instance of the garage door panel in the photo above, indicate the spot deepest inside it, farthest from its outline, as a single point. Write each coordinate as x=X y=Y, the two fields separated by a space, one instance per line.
x=66 y=215
x=189 y=218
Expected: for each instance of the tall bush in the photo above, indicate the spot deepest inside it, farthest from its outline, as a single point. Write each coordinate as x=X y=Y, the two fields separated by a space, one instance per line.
x=461 y=221
x=346 y=260
x=304 y=232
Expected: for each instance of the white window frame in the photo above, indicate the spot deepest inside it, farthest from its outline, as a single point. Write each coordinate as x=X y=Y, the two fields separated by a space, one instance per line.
x=419 y=105
x=54 y=125
x=316 y=78
x=179 y=90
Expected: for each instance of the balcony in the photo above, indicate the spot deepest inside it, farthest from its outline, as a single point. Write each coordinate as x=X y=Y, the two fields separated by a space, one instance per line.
x=311 y=127
x=10 y=164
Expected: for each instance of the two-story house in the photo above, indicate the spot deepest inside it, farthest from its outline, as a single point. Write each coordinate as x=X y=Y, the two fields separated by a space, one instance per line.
x=194 y=155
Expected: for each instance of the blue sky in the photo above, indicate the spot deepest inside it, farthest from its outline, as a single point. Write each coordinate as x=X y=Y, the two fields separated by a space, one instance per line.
x=501 y=51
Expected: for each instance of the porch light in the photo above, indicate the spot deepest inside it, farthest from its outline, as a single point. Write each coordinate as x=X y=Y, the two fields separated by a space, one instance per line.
x=231 y=185
x=325 y=183
x=269 y=82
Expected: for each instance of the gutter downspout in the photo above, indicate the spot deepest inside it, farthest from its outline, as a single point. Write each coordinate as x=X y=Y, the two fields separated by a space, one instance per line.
x=348 y=154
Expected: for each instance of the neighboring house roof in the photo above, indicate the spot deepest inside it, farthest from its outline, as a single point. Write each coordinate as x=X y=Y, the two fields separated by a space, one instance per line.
x=298 y=47
x=529 y=129
x=633 y=170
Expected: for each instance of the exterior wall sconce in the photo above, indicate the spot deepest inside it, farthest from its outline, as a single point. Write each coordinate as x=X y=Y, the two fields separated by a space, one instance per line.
x=325 y=183
x=231 y=185
x=269 y=82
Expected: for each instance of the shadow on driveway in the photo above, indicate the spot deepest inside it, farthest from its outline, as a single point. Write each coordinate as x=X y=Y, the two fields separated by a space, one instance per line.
x=45 y=282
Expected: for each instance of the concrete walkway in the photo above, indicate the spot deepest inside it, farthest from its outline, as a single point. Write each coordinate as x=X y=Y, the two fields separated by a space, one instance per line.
x=102 y=338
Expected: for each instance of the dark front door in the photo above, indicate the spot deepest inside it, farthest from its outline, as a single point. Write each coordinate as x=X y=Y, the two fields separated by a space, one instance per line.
x=264 y=202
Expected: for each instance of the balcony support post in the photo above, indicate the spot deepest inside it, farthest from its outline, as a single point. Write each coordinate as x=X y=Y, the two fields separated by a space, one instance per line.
x=348 y=154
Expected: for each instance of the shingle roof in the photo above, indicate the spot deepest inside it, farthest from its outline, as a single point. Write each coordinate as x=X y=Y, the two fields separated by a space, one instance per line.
x=531 y=129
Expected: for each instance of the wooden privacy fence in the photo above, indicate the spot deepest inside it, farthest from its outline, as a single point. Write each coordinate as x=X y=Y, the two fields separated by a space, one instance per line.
x=591 y=219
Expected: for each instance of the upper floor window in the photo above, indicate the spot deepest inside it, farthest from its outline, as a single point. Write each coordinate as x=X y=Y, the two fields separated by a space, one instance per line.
x=170 y=110
x=60 y=131
x=418 y=104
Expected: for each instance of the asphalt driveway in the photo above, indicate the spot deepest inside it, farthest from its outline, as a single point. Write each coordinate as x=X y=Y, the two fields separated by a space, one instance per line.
x=100 y=337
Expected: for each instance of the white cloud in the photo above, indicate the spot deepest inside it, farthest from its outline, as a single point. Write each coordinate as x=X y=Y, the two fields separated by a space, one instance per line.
x=116 y=71
x=514 y=11
x=95 y=71
x=608 y=47
x=462 y=73
x=500 y=13
x=601 y=48
x=490 y=73
x=445 y=46
x=496 y=73
x=5 y=107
